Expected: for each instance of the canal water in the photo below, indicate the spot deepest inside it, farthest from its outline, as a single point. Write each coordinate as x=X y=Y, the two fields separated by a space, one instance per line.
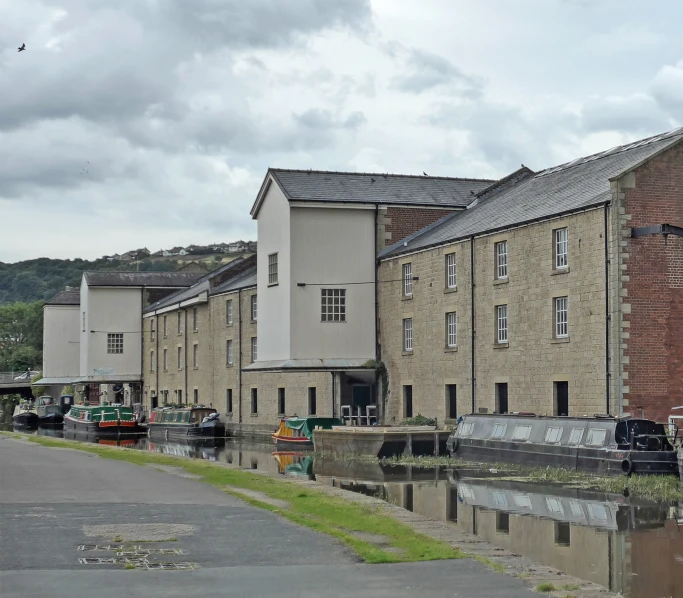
x=630 y=546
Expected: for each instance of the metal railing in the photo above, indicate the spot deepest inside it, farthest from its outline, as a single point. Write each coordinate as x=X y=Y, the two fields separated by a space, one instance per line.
x=16 y=377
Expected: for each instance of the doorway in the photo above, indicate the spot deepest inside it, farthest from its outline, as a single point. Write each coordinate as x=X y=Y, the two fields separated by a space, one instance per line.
x=501 y=397
x=561 y=392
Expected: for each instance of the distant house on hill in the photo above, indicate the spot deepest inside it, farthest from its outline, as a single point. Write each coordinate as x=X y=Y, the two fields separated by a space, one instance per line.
x=174 y=251
x=238 y=247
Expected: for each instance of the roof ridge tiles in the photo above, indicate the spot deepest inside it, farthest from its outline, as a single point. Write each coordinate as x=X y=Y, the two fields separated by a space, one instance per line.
x=379 y=174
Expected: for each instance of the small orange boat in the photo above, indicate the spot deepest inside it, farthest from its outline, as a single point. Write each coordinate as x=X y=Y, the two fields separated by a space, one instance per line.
x=298 y=431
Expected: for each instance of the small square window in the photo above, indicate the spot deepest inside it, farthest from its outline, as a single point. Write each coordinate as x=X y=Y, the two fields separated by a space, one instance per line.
x=466 y=429
x=553 y=435
x=596 y=437
x=115 y=343
x=498 y=430
x=333 y=305
x=521 y=433
x=575 y=436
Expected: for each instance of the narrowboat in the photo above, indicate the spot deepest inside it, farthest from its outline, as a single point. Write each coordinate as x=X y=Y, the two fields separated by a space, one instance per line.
x=49 y=412
x=25 y=415
x=191 y=422
x=298 y=431
x=598 y=445
x=112 y=420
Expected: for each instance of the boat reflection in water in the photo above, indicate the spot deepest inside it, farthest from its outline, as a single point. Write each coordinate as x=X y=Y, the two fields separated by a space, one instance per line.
x=195 y=449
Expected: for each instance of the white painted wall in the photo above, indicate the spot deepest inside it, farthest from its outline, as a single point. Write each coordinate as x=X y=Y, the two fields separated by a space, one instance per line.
x=111 y=310
x=61 y=339
x=274 y=302
x=332 y=246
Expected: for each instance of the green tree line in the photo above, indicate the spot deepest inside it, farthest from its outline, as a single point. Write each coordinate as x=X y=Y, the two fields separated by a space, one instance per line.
x=21 y=336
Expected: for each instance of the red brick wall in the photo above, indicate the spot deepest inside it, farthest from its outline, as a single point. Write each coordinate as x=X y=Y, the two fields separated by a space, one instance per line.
x=655 y=289
x=406 y=221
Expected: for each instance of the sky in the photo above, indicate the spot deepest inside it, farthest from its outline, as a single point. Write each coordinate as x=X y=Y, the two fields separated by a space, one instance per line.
x=152 y=123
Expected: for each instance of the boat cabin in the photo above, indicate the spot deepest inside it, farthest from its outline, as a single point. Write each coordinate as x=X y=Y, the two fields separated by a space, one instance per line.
x=188 y=416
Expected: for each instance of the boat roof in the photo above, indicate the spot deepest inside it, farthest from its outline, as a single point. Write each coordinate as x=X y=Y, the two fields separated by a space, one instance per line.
x=188 y=408
x=559 y=418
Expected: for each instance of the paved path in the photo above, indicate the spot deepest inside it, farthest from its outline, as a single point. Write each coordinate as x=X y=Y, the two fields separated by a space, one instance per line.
x=62 y=510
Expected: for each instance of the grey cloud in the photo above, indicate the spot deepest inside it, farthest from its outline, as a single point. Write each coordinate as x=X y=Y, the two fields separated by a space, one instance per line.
x=316 y=118
x=639 y=114
x=667 y=89
x=425 y=71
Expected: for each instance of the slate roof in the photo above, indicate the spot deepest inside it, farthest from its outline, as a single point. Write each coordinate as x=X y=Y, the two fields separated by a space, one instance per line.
x=380 y=188
x=66 y=298
x=243 y=281
x=562 y=189
x=203 y=284
x=141 y=279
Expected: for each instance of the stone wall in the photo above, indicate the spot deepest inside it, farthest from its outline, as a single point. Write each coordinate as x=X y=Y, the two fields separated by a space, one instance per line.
x=533 y=359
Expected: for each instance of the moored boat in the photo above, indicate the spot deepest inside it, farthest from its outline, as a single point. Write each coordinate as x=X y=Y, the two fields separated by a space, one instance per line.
x=298 y=431
x=599 y=445
x=101 y=420
x=185 y=423
x=25 y=415
x=49 y=412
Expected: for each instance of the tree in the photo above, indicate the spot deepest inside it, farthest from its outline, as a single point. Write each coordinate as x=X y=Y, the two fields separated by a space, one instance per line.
x=21 y=336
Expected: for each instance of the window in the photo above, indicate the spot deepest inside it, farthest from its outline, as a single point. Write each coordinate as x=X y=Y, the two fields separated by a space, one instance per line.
x=180 y=358
x=450 y=271
x=575 y=436
x=408 y=401
x=554 y=505
x=502 y=324
x=501 y=260
x=254 y=349
x=596 y=437
x=228 y=352
x=195 y=319
x=451 y=401
x=165 y=326
x=408 y=334
x=553 y=435
x=561 y=248
x=466 y=429
x=195 y=356
x=521 y=433
x=153 y=328
x=523 y=501
x=333 y=305
x=180 y=323
x=165 y=360
x=83 y=321
x=151 y=360
x=501 y=397
x=561 y=318
x=228 y=400
x=228 y=312
x=115 y=343
x=576 y=508
x=499 y=499
x=254 y=401
x=254 y=309
x=180 y=396
x=498 y=430
x=451 y=330
x=407 y=280
x=502 y=522
x=196 y=396
x=281 y=401
x=312 y=399
x=272 y=268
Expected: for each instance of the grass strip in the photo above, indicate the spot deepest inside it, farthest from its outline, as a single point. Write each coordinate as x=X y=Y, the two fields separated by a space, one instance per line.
x=311 y=508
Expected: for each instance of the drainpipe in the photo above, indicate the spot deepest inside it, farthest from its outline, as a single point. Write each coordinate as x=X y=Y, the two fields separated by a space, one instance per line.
x=142 y=356
x=378 y=349
x=187 y=398
x=239 y=373
x=334 y=393
x=156 y=357
x=607 y=314
x=472 y=315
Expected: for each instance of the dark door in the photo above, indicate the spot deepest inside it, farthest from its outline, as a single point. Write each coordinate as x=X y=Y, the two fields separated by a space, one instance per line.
x=451 y=401
x=155 y=401
x=562 y=398
x=502 y=397
x=407 y=401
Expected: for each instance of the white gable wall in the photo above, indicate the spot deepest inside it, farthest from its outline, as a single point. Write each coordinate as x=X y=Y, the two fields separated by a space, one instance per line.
x=61 y=356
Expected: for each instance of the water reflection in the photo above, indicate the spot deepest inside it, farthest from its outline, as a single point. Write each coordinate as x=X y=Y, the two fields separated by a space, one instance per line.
x=630 y=546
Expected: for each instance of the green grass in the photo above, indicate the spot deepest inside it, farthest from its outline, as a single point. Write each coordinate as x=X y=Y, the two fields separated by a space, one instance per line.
x=570 y=587
x=545 y=587
x=311 y=508
x=498 y=567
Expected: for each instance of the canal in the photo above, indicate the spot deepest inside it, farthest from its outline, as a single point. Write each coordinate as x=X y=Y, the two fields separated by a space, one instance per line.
x=628 y=545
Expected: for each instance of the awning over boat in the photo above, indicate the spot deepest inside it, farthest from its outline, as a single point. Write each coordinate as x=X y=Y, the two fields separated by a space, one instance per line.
x=306 y=425
x=53 y=381
x=329 y=365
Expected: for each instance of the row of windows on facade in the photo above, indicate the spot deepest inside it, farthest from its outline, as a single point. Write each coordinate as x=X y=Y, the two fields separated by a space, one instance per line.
x=500 y=252
x=195 y=355
x=561 y=326
x=195 y=318
x=281 y=399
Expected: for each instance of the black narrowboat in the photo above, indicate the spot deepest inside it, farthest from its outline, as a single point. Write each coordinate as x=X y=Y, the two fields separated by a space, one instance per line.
x=598 y=445
x=25 y=415
x=193 y=421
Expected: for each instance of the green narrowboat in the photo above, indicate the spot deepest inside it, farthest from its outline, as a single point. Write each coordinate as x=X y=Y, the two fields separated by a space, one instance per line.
x=102 y=420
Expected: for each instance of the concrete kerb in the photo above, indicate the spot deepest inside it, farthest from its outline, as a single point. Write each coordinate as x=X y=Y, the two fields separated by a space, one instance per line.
x=494 y=557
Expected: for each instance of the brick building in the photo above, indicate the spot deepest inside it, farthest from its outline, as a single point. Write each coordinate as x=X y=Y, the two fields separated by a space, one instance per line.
x=557 y=292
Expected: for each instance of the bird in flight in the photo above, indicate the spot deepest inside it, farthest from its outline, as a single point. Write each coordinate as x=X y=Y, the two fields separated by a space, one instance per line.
x=21 y=48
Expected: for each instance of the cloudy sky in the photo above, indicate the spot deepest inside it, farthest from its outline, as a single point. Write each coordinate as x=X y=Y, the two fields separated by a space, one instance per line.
x=131 y=123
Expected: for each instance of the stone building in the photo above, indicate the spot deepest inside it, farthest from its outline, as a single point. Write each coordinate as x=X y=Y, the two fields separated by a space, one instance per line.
x=556 y=292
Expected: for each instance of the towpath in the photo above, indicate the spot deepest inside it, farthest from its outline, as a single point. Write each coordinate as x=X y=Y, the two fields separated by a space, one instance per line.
x=68 y=521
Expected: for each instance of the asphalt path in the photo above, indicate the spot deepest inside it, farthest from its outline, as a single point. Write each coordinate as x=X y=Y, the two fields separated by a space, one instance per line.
x=71 y=522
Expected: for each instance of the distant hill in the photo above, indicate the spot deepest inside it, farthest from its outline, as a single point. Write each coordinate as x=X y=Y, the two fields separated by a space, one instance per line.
x=40 y=279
